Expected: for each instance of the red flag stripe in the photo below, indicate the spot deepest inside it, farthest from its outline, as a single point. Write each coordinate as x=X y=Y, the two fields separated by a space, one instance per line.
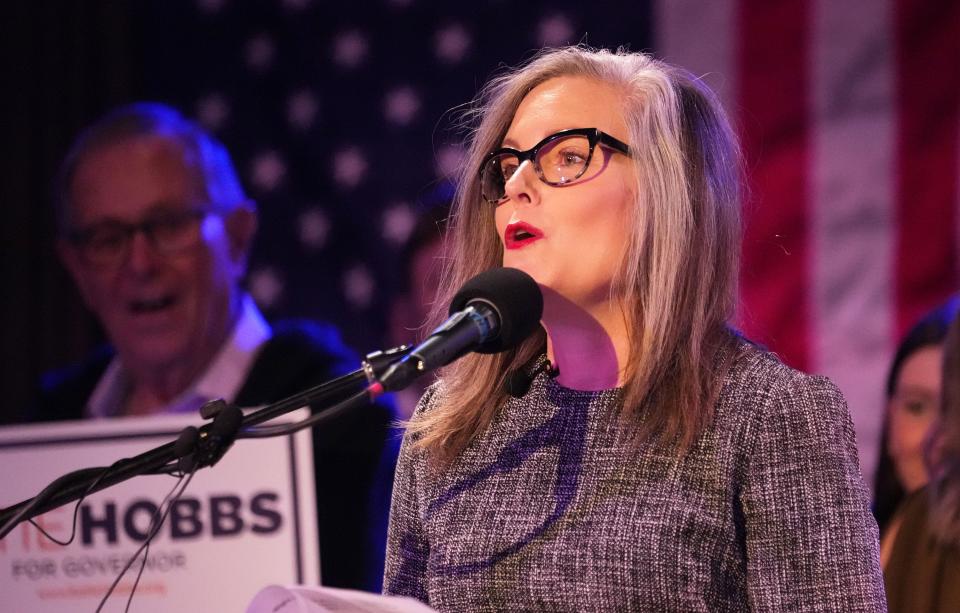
x=928 y=95
x=773 y=93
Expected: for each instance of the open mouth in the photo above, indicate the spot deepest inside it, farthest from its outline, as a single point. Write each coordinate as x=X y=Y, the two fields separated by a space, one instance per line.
x=151 y=305
x=519 y=234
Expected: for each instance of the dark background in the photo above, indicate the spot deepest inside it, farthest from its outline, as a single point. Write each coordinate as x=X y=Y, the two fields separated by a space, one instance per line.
x=252 y=71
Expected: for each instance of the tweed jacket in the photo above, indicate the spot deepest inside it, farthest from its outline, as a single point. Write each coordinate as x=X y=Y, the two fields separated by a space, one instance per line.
x=551 y=508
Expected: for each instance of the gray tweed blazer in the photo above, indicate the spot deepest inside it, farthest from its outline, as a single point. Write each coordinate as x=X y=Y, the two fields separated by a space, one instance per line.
x=549 y=509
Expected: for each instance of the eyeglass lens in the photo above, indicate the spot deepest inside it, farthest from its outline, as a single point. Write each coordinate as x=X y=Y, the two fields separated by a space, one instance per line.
x=108 y=242
x=557 y=162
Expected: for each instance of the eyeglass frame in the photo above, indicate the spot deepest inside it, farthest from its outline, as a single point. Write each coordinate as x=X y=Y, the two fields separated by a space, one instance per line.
x=78 y=237
x=594 y=136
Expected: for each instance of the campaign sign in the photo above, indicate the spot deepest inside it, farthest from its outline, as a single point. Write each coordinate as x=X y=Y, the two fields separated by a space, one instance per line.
x=247 y=522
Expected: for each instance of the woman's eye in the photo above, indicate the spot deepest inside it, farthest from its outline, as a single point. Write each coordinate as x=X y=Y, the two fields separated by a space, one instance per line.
x=572 y=158
x=915 y=407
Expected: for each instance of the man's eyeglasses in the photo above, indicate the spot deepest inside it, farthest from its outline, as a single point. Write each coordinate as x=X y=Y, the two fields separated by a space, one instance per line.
x=559 y=159
x=107 y=243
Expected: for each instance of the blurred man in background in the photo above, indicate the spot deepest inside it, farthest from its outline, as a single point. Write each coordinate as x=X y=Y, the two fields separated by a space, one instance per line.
x=155 y=229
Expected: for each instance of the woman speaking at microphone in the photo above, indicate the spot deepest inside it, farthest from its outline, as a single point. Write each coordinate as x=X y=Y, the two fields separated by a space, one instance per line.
x=635 y=454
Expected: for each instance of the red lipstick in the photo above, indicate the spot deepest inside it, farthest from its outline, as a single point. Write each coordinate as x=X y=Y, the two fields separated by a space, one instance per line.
x=519 y=234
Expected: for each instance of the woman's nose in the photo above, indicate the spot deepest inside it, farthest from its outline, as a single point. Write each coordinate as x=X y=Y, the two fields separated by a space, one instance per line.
x=523 y=186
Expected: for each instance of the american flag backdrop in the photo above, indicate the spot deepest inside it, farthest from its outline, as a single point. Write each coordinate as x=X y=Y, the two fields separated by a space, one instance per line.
x=850 y=118
x=339 y=119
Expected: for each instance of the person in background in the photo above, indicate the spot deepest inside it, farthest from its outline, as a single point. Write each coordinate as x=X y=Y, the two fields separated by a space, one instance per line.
x=923 y=569
x=657 y=461
x=155 y=229
x=420 y=265
x=913 y=399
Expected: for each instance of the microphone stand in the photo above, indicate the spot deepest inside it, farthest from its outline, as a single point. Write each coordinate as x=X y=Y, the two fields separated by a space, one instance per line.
x=213 y=439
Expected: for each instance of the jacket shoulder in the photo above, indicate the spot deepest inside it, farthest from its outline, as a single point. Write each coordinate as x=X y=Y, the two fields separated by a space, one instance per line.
x=300 y=354
x=63 y=393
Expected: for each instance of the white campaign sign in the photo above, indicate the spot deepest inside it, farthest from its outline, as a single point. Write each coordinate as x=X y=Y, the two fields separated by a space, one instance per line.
x=247 y=522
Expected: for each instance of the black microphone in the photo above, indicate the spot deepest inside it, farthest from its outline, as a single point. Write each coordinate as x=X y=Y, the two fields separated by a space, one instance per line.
x=494 y=311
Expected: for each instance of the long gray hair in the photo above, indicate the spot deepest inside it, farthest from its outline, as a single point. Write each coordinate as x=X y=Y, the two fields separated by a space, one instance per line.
x=679 y=273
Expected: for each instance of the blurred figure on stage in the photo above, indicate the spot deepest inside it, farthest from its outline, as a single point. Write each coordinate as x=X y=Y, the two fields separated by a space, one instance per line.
x=913 y=400
x=155 y=229
x=654 y=460
x=420 y=265
x=923 y=569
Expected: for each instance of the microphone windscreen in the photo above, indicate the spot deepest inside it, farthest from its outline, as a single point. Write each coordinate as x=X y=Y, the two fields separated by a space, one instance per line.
x=516 y=298
x=186 y=442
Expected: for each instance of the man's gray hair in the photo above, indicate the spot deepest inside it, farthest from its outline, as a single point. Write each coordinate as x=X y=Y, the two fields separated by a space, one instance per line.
x=201 y=152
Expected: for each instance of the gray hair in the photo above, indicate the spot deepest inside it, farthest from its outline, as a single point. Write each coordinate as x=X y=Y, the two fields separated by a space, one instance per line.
x=680 y=269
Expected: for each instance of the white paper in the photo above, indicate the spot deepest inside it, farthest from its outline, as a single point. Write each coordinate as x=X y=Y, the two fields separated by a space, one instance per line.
x=302 y=599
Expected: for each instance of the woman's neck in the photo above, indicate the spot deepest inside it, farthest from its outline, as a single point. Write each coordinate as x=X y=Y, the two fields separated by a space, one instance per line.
x=589 y=345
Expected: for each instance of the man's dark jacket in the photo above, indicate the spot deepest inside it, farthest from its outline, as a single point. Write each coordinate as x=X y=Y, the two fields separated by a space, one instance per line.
x=354 y=456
